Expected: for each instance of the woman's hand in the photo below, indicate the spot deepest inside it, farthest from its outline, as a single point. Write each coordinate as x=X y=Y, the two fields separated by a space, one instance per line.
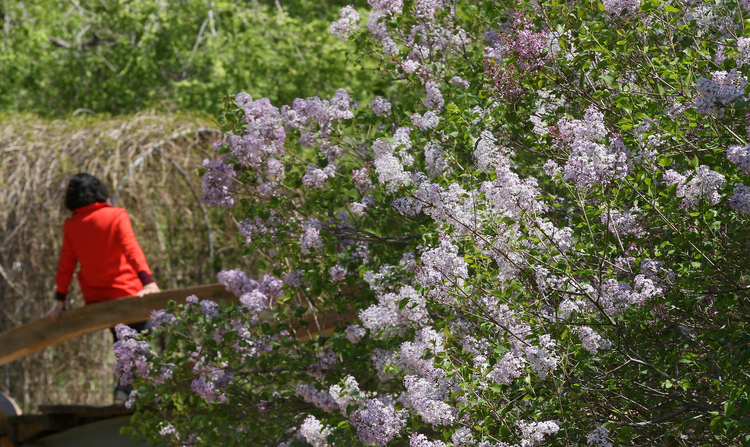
x=149 y=288
x=54 y=316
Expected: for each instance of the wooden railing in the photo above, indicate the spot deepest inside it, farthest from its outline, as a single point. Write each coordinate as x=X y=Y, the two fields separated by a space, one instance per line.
x=32 y=337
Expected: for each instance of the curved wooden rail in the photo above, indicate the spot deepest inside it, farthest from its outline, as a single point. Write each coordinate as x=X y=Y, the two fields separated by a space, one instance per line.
x=32 y=337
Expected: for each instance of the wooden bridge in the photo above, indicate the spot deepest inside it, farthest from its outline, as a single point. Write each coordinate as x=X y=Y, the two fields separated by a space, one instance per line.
x=84 y=426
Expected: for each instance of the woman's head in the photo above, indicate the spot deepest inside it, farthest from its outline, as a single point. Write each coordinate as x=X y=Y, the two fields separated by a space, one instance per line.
x=83 y=190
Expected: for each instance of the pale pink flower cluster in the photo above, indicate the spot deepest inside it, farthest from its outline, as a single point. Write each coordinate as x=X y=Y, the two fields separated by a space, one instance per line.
x=377 y=26
x=740 y=200
x=381 y=106
x=347 y=25
x=706 y=183
x=315 y=433
x=386 y=316
x=615 y=297
x=390 y=170
x=542 y=358
x=462 y=437
x=590 y=340
x=512 y=197
x=591 y=161
x=740 y=155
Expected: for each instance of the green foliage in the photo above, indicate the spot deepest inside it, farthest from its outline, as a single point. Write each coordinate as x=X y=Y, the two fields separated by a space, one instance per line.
x=120 y=56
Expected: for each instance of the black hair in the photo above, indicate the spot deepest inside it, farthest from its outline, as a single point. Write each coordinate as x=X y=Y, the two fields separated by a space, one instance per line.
x=83 y=190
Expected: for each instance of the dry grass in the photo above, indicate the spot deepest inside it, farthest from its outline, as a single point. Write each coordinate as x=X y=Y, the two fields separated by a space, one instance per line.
x=37 y=158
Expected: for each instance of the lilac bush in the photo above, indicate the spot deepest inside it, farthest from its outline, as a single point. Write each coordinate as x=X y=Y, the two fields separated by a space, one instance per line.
x=540 y=239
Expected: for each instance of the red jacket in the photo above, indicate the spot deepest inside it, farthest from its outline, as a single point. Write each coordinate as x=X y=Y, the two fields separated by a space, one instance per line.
x=113 y=266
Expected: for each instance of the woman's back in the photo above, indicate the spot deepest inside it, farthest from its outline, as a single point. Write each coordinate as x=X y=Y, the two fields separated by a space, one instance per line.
x=101 y=238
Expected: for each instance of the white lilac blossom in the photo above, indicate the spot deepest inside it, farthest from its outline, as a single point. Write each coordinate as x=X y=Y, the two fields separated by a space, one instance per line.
x=716 y=93
x=381 y=359
x=535 y=432
x=427 y=401
x=488 y=154
x=740 y=155
x=354 y=333
x=598 y=437
x=428 y=121
x=590 y=340
x=378 y=422
x=410 y=66
x=435 y=160
x=624 y=223
x=315 y=433
x=420 y=440
x=442 y=270
x=386 y=314
x=310 y=240
x=542 y=358
x=462 y=437
x=361 y=178
x=508 y=368
x=254 y=295
x=314 y=118
x=591 y=161
x=346 y=395
x=347 y=25
x=743 y=46
x=740 y=200
x=546 y=105
x=377 y=27
x=615 y=297
x=167 y=431
x=434 y=100
x=706 y=183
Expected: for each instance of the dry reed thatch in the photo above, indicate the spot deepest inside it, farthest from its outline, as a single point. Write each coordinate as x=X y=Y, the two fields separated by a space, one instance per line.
x=37 y=158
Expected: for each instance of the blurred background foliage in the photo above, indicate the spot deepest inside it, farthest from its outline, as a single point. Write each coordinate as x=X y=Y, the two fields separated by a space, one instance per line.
x=120 y=56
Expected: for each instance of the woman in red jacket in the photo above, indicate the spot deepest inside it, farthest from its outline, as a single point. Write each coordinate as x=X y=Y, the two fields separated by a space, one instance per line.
x=100 y=238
